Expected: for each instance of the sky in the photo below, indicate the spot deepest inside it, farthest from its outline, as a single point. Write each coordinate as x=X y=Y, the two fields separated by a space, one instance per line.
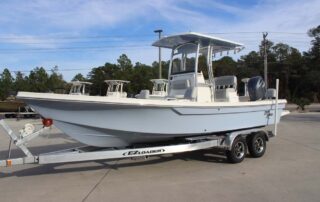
x=77 y=35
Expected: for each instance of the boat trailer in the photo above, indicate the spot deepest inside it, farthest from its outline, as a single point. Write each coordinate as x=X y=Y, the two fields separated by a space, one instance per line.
x=235 y=144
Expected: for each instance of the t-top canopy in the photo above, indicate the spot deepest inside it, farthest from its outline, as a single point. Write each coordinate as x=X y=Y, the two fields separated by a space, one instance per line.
x=116 y=82
x=76 y=83
x=176 y=40
x=159 y=81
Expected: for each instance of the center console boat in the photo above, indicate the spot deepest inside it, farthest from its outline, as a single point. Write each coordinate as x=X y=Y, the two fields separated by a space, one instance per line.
x=195 y=104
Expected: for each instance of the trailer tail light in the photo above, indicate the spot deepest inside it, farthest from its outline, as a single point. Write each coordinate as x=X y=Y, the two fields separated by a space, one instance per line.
x=47 y=122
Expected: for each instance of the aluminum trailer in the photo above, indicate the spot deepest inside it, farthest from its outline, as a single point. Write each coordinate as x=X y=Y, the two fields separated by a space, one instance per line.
x=235 y=143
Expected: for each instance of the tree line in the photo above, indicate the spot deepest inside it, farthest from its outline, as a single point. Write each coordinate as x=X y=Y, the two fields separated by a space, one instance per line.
x=299 y=73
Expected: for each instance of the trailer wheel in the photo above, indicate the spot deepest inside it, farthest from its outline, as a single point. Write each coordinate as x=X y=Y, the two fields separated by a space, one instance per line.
x=238 y=150
x=257 y=145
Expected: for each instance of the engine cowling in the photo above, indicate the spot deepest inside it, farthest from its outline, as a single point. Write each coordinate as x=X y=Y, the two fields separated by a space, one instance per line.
x=257 y=88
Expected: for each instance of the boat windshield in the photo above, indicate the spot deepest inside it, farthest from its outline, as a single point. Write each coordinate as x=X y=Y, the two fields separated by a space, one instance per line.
x=183 y=60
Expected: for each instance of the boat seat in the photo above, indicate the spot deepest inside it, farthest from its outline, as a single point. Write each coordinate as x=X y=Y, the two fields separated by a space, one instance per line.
x=180 y=89
x=226 y=89
x=224 y=82
x=144 y=94
x=190 y=94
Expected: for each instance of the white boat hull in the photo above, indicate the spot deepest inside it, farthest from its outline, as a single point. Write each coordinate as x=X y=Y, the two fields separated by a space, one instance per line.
x=106 y=123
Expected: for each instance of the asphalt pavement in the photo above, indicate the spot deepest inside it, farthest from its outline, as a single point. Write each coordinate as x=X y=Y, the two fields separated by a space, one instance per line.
x=289 y=171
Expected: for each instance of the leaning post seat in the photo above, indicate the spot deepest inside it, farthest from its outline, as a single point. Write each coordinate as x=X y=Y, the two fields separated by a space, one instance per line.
x=226 y=89
x=179 y=87
x=182 y=87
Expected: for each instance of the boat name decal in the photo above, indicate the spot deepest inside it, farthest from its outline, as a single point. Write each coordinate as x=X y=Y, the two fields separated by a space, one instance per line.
x=142 y=152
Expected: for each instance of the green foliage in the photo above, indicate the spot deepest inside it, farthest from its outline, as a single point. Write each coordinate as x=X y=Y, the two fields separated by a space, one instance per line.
x=140 y=78
x=301 y=102
x=6 y=84
x=78 y=77
x=55 y=81
x=155 y=69
x=269 y=48
x=312 y=57
x=124 y=62
x=202 y=66
x=224 y=66
x=138 y=75
x=21 y=82
x=38 y=80
x=97 y=77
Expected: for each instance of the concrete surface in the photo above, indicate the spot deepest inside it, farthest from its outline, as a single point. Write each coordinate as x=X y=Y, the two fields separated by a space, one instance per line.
x=289 y=171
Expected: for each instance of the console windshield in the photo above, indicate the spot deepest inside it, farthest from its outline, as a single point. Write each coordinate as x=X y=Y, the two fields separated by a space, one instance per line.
x=183 y=60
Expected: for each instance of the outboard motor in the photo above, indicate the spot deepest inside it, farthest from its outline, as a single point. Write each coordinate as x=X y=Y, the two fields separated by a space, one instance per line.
x=257 y=88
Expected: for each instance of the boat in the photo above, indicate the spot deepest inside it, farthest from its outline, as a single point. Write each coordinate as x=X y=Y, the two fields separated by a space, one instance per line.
x=160 y=87
x=159 y=90
x=115 y=88
x=80 y=88
x=194 y=105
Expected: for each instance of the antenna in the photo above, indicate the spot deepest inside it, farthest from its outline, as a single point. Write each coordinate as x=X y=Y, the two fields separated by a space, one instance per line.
x=160 y=68
x=265 y=34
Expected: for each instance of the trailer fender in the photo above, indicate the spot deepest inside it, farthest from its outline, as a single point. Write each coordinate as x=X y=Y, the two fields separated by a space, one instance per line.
x=231 y=136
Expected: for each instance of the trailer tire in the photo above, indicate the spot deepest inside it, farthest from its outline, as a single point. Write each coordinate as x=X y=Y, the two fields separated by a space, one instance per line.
x=238 y=150
x=257 y=145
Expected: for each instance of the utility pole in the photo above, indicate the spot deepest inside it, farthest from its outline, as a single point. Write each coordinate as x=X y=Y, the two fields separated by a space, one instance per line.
x=265 y=34
x=160 y=69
